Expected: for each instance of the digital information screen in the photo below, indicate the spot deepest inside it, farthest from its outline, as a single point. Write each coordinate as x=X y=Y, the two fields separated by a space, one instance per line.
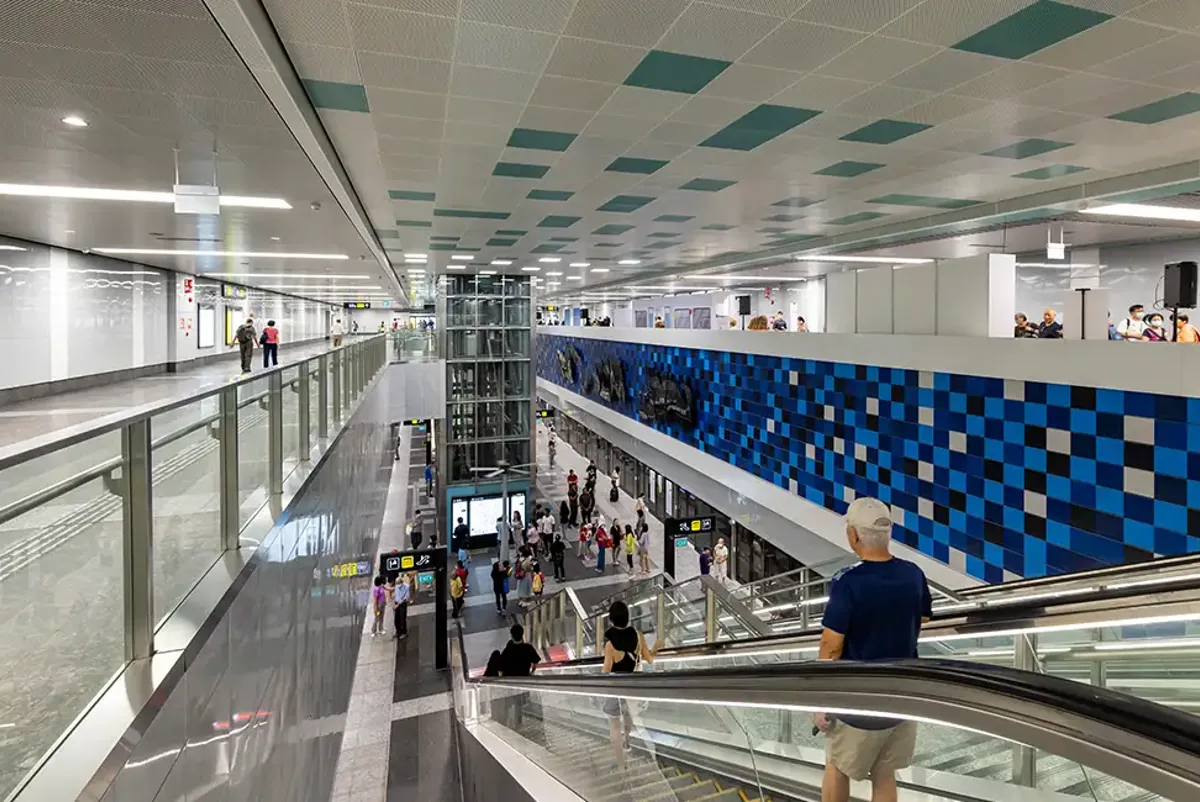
x=481 y=512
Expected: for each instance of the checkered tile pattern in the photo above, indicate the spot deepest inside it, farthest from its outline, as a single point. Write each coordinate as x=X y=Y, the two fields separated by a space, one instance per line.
x=714 y=111
x=995 y=477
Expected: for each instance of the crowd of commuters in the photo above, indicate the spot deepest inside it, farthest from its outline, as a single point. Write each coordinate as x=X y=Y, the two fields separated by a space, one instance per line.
x=1137 y=326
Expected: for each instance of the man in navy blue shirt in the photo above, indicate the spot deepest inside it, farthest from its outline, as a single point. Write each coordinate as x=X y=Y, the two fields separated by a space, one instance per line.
x=875 y=612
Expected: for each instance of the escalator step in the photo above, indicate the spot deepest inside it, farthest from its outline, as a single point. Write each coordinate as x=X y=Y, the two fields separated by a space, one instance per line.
x=728 y=795
x=689 y=793
x=657 y=789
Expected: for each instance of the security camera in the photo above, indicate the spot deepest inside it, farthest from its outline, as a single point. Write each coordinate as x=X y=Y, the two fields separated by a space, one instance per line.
x=315 y=206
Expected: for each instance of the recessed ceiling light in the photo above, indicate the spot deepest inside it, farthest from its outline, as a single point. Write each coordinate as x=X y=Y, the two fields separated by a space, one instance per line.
x=871 y=260
x=231 y=254
x=132 y=195
x=456 y=267
x=599 y=269
x=274 y=239
x=502 y=262
x=330 y=276
x=487 y=272
x=75 y=121
x=11 y=248
x=574 y=278
x=69 y=231
x=1148 y=211
x=550 y=260
x=554 y=274
x=581 y=264
x=415 y=257
x=629 y=262
x=462 y=257
x=531 y=268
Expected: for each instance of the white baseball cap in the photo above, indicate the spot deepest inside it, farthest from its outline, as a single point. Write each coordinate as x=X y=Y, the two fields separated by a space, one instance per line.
x=870 y=514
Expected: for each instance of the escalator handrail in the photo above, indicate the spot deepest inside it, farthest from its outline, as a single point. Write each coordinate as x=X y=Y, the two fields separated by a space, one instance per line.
x=987 y=620
x=1151 y=746
x=1108 y=572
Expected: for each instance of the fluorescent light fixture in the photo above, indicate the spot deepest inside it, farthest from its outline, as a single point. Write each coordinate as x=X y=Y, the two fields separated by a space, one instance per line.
x=1121 y=646
x=502 y=262
x=867 y=260
x=1053 y=264
x=232 y=254
x=707 y=278
x=550 y=260
x=274 y=239
x=462 y=257
x=1147 y=211
x=531 y=268
x=11 y=248
x=599 y=269
x=131 y=195
x=487 y=272
x=581 y=264
x=456 y=267
x=321 y=287
x=330 y=276
x=556 y=273
x=629 y=262
x=75 y=121
x=574 y=278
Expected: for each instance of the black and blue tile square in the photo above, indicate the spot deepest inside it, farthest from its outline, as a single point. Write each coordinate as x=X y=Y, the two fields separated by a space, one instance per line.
x=999 y=478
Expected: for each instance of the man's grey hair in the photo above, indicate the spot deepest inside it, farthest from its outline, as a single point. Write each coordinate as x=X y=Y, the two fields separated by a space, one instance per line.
x=877 y=535
x=872 y=520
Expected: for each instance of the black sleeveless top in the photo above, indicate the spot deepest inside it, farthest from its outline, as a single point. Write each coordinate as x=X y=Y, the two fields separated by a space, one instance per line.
x=624 y=639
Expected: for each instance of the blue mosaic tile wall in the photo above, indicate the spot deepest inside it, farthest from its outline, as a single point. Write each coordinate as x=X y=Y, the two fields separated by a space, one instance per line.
x=995 y=477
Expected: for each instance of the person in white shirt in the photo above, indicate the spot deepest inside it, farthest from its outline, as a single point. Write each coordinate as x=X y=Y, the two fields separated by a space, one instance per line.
x=721 y=559
x=548 y=523
x=336 y=332
x=1133 y=327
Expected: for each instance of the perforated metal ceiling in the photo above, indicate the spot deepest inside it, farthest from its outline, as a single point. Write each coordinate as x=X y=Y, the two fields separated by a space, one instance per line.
x=675 y=131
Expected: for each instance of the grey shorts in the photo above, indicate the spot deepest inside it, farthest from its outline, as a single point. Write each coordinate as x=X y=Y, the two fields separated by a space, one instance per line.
x=860 y=753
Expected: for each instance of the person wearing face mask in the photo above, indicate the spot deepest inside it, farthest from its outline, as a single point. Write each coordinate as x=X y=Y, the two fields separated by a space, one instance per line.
x=1154 y=331
x=1132 y=327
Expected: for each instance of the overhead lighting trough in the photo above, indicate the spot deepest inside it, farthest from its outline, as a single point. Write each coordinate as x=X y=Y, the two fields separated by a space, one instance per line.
x=75 y=121
x=1147 y=211
x=232 y=254
x=130 y=195
x=867 y=260
x=330 y=276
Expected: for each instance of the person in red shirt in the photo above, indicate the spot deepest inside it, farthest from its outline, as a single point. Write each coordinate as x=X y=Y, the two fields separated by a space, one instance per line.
x=270 y=344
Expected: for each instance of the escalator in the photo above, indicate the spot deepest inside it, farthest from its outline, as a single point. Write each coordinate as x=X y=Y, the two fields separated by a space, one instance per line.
x=745 y=733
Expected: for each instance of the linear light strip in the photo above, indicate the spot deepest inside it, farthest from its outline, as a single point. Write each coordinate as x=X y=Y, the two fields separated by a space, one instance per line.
x=232 y=254
x=130 y=195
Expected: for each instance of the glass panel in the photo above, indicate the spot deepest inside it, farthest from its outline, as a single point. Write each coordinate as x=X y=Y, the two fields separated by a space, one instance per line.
x=489 y=379
x=489 y=285
x=491 y=312
x=489 y=454
x=462 y=344
x=517 y=452
x=314 y=405
x=462 y=459
x=516 y=343
x=516 y=312
x=516 y=418
x=186 y=475
x=516 y=378
x=462 y=422
x=517 y=287
x=291 y=420
x=61 y=601
x=461 y=312
x=252 y=449
x=490 y=416
x=462 y=381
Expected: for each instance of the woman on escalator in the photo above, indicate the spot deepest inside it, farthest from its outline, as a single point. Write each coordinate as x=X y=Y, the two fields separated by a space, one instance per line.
x=624 y=650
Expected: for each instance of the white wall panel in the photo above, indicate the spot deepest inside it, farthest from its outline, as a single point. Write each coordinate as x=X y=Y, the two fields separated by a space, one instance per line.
x=914 y=299
x=962 y=297
x=873 y=301
x=841 y=290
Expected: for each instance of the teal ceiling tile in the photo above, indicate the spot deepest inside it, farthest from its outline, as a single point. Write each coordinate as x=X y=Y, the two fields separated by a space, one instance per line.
x=793 y=239
x=860 y=217
x=510 y=232
x=388 y=233
x=443 y=246
x=675 y=72
x=1053 y=171
x=707 y=184
x=1031 y=29
x=1166 y=109
x=759 y=125
x=608 y=244
x=466 y=250
x=548 y=249
x=773 y=230
x=795 y=203
x=673 y=218
x=515 y=170
x=549 y=194
x=924 y=201
x=445 y=238
x=499 y=242
x=884 y=132
x=626 y=164
x=719 y=227
x=782 y=218
x=564 y=239
x=625 y=203
x=558 y=221
x=337 y=96
x=612 y=229
x=407 y=194
x=848 y=169
x=1028 y=147
x=471 y=213
x=665 y=234
x=533 y=139
x=416 y=223
x=658 y=246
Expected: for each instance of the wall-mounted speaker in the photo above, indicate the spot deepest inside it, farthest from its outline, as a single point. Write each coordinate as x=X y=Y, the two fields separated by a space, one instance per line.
x=1179 y=285
x=743 y=304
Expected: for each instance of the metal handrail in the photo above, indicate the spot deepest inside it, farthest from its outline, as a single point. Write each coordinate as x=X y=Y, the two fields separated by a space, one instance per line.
x=33 y=448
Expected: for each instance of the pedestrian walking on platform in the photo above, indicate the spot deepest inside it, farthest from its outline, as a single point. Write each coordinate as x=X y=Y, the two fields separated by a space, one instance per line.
x=270 y=344
x=245 y=336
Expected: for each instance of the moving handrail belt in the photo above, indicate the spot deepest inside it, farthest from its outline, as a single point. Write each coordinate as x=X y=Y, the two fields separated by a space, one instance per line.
x=1148 y=745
